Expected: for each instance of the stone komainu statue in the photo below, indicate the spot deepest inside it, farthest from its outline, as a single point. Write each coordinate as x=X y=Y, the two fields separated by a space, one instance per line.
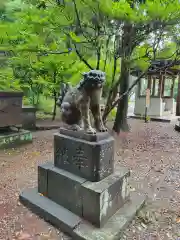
x=78 y=100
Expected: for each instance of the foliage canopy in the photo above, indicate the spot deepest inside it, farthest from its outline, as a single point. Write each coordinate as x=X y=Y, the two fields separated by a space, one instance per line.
x=53 y=41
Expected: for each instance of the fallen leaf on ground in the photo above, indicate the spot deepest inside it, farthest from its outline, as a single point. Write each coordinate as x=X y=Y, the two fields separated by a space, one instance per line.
x=23 y=236
x=45 y=236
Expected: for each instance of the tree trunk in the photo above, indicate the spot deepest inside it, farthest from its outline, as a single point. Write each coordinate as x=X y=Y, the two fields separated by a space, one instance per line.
x=125 y=51
x=113 y=90
x=120 y=122
x=178 y=99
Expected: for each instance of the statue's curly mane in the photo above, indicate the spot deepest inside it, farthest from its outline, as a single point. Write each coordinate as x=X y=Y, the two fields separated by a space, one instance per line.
x=91 y=79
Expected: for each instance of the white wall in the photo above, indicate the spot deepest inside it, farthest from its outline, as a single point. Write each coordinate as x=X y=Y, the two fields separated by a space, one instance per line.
x=170 y=105
x=155 y=108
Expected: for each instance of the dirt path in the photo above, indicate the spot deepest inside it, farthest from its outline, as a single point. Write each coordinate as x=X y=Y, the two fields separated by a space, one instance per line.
x=151 y=151
x=18 y=170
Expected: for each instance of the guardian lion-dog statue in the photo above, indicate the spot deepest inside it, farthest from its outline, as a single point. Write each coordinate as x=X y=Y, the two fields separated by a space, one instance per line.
x=80 y=99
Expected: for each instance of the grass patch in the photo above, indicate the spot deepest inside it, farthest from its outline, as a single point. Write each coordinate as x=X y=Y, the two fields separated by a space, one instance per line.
x=46 y=104
x=112 y=115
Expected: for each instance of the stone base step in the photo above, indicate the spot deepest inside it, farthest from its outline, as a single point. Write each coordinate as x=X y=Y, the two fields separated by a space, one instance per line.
x=94 y=201
x=75 y=226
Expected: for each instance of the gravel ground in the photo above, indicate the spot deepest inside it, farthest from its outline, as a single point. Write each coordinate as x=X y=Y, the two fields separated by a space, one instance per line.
x=150 y=150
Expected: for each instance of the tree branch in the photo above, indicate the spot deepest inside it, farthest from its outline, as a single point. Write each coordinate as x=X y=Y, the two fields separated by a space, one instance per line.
x=107 y=51
x=98 y=48
x=79 y=22
x=42 y=53
x=82 y=59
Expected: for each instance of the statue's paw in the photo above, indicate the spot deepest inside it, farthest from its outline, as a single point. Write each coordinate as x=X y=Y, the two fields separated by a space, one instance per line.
x=76 y=128
x=91 y=130
x=103 y=129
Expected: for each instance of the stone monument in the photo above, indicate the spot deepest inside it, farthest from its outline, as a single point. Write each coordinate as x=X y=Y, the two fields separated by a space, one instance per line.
x=177 y=125
x=29 y=117
x=80 y=192
x=11 y=118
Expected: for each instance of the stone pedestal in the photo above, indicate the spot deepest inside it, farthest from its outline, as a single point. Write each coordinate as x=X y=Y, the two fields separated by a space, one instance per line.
x=29 y=117
x=177 y=125
x=95 y=202
x=91 y=157
x=80 y=192
x=10 y=108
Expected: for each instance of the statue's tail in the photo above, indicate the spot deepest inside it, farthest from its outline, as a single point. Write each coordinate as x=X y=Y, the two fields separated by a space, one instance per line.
x=63 y=90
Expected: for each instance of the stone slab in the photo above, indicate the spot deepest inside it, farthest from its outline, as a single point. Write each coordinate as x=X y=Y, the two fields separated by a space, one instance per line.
x=74 y=226
x=49 y=210
x=115 y=226
x=26 y=108
x=177 y=127
x=77 y=194
x=83 y=135
x=29 y=117
x=43 y=177
x=13 y=139
x=65 y=189
x=91 y=160
x=105 y=197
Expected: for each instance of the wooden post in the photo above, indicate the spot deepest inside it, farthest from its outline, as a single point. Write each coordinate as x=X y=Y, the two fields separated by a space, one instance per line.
x=161 y=86
x=172 y=87
x=148 y=94
x=154 y=85
x=149 y=77
x=163 y=83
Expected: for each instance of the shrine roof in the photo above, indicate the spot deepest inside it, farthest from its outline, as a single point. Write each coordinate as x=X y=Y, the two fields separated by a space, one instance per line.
x=160 y=66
